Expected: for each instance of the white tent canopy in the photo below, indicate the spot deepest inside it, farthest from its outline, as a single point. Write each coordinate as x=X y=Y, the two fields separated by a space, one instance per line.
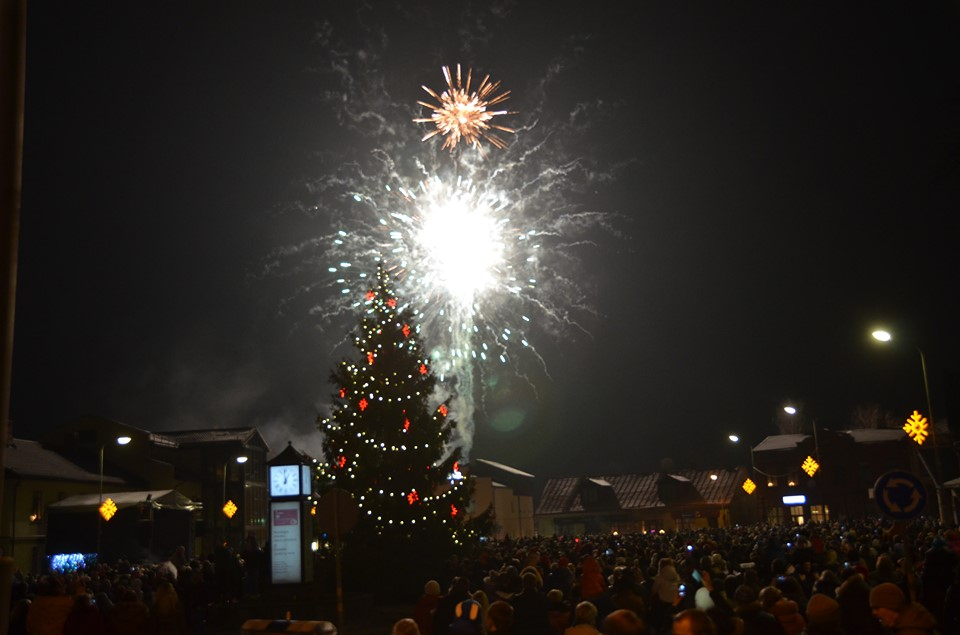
x=158 y=499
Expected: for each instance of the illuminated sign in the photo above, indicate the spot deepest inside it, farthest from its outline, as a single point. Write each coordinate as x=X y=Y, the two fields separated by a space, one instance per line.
x=798 y=499
x=285 y=542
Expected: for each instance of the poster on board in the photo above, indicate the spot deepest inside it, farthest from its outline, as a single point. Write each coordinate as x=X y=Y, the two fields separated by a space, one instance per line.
x=285 y=542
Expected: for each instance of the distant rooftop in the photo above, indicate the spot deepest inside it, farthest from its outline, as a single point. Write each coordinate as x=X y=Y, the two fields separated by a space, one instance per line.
x=29 y=459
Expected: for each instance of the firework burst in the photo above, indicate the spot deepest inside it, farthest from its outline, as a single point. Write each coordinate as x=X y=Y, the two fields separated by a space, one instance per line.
x=461 y=115
x=488 y=253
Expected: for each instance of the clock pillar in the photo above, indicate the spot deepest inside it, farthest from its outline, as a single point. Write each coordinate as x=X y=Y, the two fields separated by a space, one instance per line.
x=291 y=486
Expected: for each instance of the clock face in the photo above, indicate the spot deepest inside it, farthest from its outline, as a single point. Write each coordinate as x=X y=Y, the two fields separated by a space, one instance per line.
x=284 y=480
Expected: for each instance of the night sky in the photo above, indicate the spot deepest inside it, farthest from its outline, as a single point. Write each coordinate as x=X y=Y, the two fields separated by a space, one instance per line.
x=783 y=177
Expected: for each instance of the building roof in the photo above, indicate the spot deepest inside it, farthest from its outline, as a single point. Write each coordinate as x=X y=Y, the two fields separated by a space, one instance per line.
x=781 y=442
x=876 y=435
x=29 y=459
x=244 y=436
x=158 y=499
x=791 y=441
x=638 y=491
x=501 y=466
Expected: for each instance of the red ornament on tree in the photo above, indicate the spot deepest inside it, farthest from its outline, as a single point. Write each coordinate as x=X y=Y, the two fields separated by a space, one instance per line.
x=371 y=294
x=413 y=497
x=392 y=303
x=370 y=358
x=363 y=404
x=406 y=330
x=443 y=409
x=423 y=369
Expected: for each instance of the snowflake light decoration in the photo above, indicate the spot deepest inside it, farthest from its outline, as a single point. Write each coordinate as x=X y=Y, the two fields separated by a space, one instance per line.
x=917 y=427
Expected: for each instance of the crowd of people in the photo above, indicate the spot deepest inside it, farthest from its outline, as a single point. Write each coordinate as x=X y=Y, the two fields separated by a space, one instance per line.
x=175 y=596
x=867 y=577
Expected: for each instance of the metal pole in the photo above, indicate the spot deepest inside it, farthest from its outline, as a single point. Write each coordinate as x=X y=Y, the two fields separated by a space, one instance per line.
x=933 y=437
x=13 y=55
x=99 y=505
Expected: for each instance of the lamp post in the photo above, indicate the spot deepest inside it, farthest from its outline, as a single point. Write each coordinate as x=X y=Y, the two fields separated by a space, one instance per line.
x=123 y=440
x=885 y=337
x=792 y=411
x=240 y=460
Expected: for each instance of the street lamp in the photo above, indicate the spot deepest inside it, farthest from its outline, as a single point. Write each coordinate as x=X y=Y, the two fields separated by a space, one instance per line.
x=122 y=440
x=885 y=337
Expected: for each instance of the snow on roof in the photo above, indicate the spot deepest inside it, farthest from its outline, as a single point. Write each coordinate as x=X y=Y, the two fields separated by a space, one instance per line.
x=876 y=436
x=781 y=442
x=505 y=468
x=600 y=482
x=160 y=499
x=29 y=459
x=677 y=477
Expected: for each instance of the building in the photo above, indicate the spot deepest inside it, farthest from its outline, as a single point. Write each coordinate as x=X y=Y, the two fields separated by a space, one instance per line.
x=848 y=464
x=202 y=465
x=508 y=492
x=644 y=502
x=36 y=477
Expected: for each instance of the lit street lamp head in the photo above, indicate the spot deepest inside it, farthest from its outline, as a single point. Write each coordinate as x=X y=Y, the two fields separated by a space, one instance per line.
x=882 y=336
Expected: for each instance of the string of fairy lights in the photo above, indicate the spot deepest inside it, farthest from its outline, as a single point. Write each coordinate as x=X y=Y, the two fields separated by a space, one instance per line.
x=371 y=388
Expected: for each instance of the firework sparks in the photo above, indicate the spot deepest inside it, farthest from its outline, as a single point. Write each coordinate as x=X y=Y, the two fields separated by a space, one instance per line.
x=488 y=254
x=457 y=255
x=461 y=115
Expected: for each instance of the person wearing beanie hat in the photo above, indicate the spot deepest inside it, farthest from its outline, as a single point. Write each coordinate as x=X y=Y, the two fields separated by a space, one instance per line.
x=889 y=605
x=823 y=615
x=426 y=605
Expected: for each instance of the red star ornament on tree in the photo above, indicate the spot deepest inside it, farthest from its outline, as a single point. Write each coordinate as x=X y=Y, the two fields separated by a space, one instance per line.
x=363 y=404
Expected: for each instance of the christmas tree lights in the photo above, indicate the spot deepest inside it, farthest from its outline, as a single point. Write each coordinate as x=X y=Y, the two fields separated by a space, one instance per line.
x=384 y=442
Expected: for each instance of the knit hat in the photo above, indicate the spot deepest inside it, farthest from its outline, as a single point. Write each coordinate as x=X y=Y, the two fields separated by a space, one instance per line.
x=887 y=596
x=823 y=610
x=432 y=587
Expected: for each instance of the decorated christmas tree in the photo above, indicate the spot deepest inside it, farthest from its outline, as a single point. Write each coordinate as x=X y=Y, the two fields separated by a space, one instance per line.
x=386 y=440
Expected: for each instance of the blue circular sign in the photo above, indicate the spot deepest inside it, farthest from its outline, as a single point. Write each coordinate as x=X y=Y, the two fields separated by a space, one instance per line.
x=900 y=495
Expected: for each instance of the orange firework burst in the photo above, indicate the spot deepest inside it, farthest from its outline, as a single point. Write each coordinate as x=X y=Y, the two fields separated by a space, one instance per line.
x=461 y=115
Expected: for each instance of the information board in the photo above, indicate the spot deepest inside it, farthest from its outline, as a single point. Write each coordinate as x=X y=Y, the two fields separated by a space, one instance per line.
x=286 y=546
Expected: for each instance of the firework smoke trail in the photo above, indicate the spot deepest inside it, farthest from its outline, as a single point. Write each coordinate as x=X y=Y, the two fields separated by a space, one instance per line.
x=381 y=204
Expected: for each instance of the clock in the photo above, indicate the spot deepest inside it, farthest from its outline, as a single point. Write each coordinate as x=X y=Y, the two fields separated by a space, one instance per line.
x=284 y=480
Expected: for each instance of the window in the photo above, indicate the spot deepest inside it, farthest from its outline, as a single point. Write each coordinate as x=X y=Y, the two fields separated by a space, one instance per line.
x=796 y=515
